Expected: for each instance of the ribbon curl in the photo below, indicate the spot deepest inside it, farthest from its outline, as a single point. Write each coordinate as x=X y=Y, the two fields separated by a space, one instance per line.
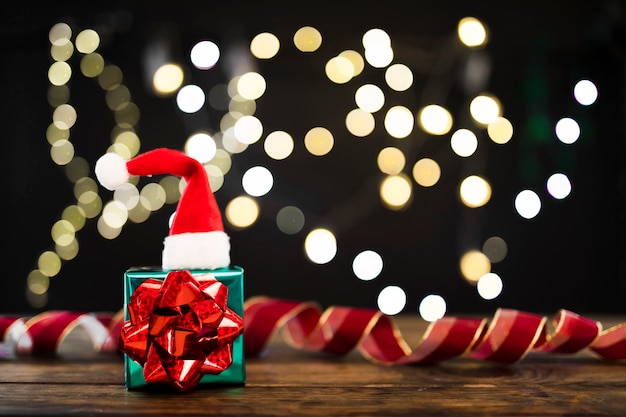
x=507 y=338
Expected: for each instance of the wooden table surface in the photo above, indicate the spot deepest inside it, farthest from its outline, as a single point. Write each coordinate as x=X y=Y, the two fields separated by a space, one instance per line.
x=290 y=382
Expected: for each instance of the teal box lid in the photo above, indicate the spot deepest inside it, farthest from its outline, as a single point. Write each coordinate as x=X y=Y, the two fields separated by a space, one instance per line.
x=232 y=277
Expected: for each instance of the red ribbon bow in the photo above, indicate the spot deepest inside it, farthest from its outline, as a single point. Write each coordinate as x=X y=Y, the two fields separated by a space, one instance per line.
x=180 y=329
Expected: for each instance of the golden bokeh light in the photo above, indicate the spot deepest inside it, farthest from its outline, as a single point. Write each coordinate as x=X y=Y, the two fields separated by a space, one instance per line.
x=399 y=122
x=278 y=145
x=75 y=216
x=55 y=133
x=399 y=77
x=435 y=119
x=358 y=63
x=307 y=39
x=167 y=79
x=360 y=123
x=69 y=251
x=320 y=246
x=59 y=73
x=111 y=77
x=369 y=98
x=396 y=191
x=87 y=41
x=472 y=32
x=475 y=191
x=59 y=33
x=62 y=50
x=391 y=160
x=426 y=172
x=92 y=65
x=473 y=265
x=58 y=94
x=485 y=109
x=117 y=98
x=37 y=282
x=64 y=116
x=49 y=263
x=251 y=85
x=62 y=232
x=62 y=152
x=339 y=69
x=242 y=212
x=265 y=45
x=500 y=130
x=319 y=141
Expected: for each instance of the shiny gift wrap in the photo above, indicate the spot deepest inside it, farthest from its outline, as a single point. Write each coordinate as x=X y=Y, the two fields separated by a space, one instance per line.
x=183 y=328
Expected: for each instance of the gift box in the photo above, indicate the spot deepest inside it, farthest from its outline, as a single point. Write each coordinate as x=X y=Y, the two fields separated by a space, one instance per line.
x=184 y=320
x=232 y=278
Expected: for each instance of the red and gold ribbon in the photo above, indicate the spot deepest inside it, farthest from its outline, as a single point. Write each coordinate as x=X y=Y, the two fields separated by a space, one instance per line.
x=506 y=338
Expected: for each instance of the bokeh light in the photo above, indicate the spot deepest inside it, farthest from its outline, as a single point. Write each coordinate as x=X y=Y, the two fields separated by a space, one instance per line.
x=489 y=286
x=585 y=92
x=320 y=246
x=432 y=307
x=204 y=54
x=391 y=300
x=527 y=204
x=567 y=130
x=367 y=265
x=559 y=186
x=307 y=39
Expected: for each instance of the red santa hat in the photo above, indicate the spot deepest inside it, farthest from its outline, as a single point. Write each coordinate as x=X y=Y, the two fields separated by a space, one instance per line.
x=197 y=239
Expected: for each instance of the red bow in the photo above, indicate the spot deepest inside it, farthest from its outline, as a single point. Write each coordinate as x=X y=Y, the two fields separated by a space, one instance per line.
x=180 y=329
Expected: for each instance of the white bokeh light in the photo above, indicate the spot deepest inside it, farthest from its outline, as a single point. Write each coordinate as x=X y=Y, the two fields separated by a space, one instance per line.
x=527 y=204
x=432 y=307
x=204 y=55
x=367 y=265
x=585 y=92
x=190 y=98
x=391 y=300
x=558 y=185
x=257 y=181
x=567 y=130
x=489 y=286
x=320 y=246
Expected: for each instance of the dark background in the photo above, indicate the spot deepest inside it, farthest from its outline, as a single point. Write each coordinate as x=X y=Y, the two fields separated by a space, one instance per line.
x=570 y=256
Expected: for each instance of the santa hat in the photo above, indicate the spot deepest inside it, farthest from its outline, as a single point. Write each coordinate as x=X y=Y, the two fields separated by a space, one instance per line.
x=197 y=239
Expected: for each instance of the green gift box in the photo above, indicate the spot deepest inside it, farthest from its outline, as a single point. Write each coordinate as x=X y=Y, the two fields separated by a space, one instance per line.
x=232 y=278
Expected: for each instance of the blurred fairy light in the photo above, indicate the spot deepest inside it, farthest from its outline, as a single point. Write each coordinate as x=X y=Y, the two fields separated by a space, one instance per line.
x=489 y=286
x=167 y=79
x=290 y=220
x=367 y=265
x=585 y=92
x=473 y=265
x=239 y=128
x=559 y=186
x=319 y=141
x=399 y=77
x=339 y=69
x=307 y=39
x=204 y=54
x=278 y=145
x=527 y=204
x=360 y=123
x=464 y=142
x=435 y=119
x=432 y=307
x=472 y=32
x=485 y=108
x=399 y=122
x=475 y=191
x=257 y=181
x=320 y=246
x=567 y=130
x=201 y=146
x=190 y=98
x=391 y=300
x=369 y=98
x=391 y=160
x=426 y=172
x=265 y=45
x=495 y=249
x=242 y=211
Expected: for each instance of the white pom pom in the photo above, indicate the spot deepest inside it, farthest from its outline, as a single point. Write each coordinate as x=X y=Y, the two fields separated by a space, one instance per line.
x=111 y=171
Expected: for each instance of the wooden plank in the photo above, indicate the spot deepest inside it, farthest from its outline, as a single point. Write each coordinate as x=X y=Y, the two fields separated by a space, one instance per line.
x=288 y=382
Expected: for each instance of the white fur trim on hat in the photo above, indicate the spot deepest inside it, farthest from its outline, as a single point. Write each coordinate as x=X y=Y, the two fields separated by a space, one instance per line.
x=200 y=250
x=111 y=171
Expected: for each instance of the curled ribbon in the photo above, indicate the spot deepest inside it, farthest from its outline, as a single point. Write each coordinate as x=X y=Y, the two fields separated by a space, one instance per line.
x=506 y=338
